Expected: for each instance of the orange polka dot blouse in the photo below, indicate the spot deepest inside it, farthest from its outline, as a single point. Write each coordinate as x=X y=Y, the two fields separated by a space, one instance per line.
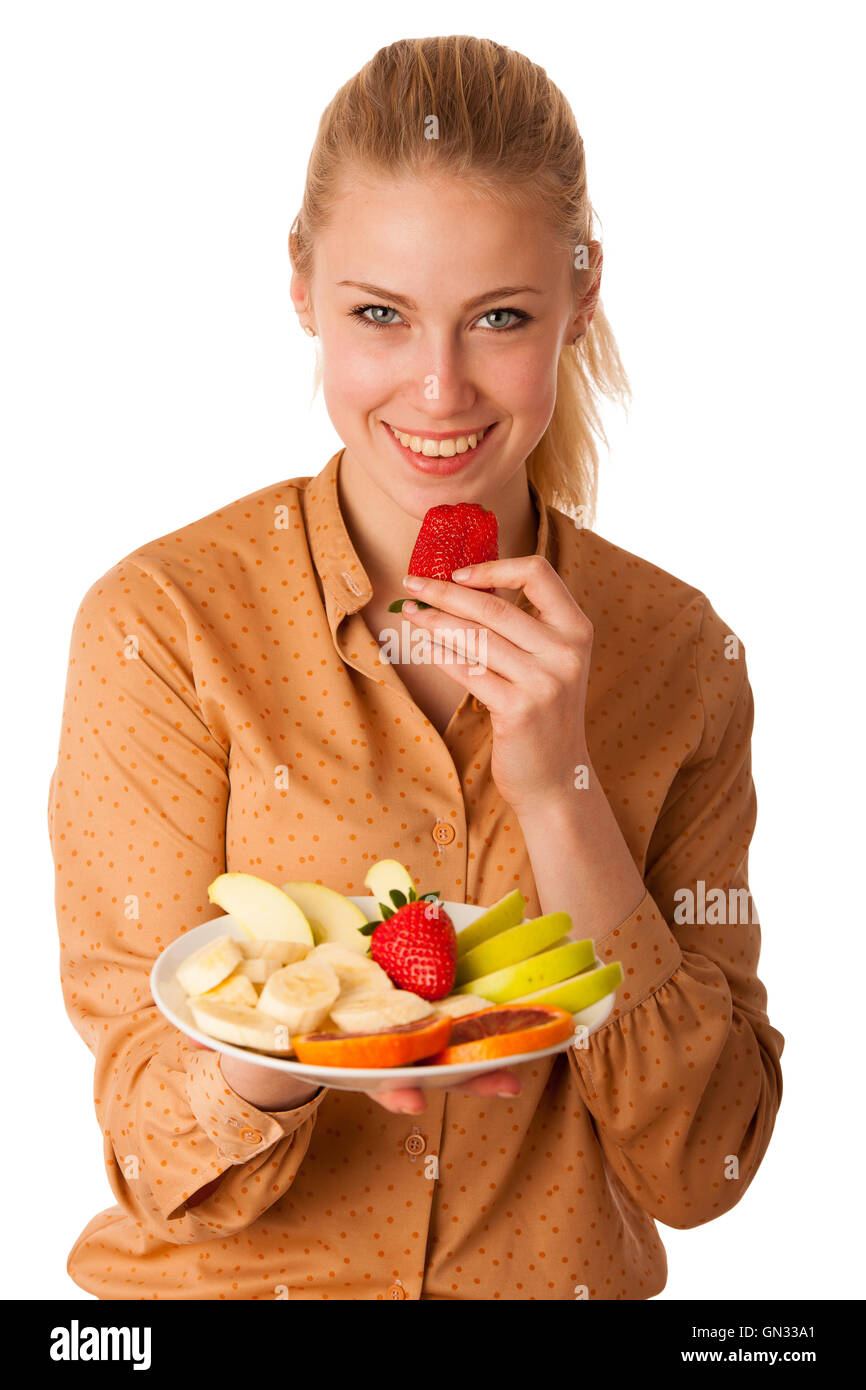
x=215 y=658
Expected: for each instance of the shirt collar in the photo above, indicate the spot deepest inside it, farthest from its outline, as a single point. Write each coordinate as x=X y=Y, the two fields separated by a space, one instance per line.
x=344 y=580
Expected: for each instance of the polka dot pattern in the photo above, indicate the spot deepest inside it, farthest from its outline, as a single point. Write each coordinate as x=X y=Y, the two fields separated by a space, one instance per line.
x=226 y=708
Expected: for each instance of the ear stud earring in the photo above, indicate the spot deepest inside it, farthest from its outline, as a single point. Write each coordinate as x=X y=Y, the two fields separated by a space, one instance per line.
x=310 y=332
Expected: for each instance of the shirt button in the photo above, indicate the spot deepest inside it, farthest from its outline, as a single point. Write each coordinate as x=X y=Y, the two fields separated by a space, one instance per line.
x=251 y=1136
x=415 y=1144
x=443 y=833
x=396 y=1291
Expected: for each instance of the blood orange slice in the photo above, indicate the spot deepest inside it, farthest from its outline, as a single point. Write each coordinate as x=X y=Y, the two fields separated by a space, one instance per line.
x=392 y=1047
x=502 y=1031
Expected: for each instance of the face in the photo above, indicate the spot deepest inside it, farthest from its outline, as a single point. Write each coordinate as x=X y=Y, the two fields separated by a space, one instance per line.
x=441 y=316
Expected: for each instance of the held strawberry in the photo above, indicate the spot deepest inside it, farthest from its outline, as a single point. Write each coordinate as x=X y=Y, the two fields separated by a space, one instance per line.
x=450 y=537
x=415 y=944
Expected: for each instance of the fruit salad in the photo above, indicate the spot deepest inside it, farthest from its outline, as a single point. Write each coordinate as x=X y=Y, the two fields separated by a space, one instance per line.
x=317 y=981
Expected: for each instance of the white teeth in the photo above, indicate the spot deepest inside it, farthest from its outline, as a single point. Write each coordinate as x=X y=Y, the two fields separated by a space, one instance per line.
x=438 y=448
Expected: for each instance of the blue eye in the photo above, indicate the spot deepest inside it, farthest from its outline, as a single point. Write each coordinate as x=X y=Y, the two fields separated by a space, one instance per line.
x=361 y=312
x=518 y=314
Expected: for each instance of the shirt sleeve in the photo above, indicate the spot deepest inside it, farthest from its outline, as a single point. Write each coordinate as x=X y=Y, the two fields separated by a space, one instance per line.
x=684 y=1082
x=137 y=815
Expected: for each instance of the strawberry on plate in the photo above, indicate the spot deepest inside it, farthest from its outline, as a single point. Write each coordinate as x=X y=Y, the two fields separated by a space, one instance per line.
x=450 y=537
x=415 y=944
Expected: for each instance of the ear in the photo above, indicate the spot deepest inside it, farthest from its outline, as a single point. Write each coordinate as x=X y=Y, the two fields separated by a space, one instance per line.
x=595 y=289
x=299 y=291
x=587 y=305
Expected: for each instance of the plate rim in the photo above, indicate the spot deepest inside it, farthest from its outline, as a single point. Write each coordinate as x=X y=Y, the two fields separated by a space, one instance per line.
x=415 y=1073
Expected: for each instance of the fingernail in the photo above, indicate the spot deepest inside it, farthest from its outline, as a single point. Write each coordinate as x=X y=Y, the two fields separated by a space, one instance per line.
x=409 y=606
x=413 y=582
x=507 y=1095
x=461 y=573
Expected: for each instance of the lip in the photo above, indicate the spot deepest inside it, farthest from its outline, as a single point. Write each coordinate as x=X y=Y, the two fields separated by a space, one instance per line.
x=439 y=467
x=438 y=434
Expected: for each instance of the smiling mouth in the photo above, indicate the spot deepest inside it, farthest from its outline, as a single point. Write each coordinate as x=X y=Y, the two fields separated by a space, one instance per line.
x=440 y=448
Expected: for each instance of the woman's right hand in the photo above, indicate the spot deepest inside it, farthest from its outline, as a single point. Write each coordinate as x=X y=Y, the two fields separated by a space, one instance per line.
x=263 y=1087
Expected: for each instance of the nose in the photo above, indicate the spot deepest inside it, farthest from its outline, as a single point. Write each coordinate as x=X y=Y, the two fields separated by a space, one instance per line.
x=439 y=385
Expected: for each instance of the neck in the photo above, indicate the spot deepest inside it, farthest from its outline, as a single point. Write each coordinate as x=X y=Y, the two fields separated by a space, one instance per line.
x=383 y=534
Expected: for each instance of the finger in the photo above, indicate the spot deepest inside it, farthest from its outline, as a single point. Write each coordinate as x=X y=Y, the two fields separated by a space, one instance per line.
x=479 y=649
x=559 y=615
x=485 y=610
x=492 y=1083
x=540 y=582
x=405 y=1100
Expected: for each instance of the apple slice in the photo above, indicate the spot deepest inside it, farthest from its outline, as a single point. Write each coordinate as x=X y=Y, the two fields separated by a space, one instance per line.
x=456 y=1005
x=502 y=915
x=385 y=875
x=510 y=947
x=331 y=916
x=264 y=911
x=538 y=972
x=580 y=991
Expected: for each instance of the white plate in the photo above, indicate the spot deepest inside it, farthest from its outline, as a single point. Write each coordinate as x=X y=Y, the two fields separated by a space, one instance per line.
x=171 y=1000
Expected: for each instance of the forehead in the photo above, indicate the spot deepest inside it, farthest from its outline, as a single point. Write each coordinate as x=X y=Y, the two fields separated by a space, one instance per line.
x=433 y=237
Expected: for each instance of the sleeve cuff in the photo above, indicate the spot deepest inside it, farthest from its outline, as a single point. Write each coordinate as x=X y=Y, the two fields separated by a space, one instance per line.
x=237 y=1129
x=648 y=951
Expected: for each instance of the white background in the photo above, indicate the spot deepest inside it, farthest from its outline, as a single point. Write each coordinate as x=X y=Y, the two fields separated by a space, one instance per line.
x=153 y=160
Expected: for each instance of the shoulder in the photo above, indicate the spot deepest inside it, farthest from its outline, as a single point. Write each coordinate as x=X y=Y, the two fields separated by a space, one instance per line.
x=629 y=595
x=655 y=636
x=225 y=547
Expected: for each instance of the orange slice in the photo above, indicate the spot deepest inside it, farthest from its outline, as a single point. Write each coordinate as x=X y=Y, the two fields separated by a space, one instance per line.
x=502 y=1031
x=392 y=1047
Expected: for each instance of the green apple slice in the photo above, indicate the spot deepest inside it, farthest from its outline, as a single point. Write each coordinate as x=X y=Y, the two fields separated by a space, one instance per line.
x=579 y=992
x=264 y=911
x=502 y=915
x=538 y=972
x=331 y=916
x=510 y=947
x=385 y=875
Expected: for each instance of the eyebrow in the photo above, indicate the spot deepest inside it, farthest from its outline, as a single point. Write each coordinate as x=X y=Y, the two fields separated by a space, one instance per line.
x=504 y=292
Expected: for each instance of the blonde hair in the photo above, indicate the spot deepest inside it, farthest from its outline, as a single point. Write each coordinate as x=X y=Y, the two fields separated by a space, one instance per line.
x=499 y=121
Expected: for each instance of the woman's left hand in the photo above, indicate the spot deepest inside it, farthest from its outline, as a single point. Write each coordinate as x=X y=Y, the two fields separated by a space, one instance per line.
x=531 y=673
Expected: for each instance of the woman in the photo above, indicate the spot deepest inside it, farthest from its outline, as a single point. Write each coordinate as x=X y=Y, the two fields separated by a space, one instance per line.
x=229 y=706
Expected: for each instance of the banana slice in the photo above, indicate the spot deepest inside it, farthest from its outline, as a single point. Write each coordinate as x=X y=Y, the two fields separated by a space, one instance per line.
x=242 y=1024
x=352 y=970
x=263 y=958
x=236 y=989
x=283 y=952
x=209 y=965
x=258 y=971
x=370 y=1011
x=300 y=995
x=456 y=1005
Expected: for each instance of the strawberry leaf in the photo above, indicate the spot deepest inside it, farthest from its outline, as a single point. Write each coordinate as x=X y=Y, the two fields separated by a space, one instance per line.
x=429 y=897
x=368 y=929
x=398 y=898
